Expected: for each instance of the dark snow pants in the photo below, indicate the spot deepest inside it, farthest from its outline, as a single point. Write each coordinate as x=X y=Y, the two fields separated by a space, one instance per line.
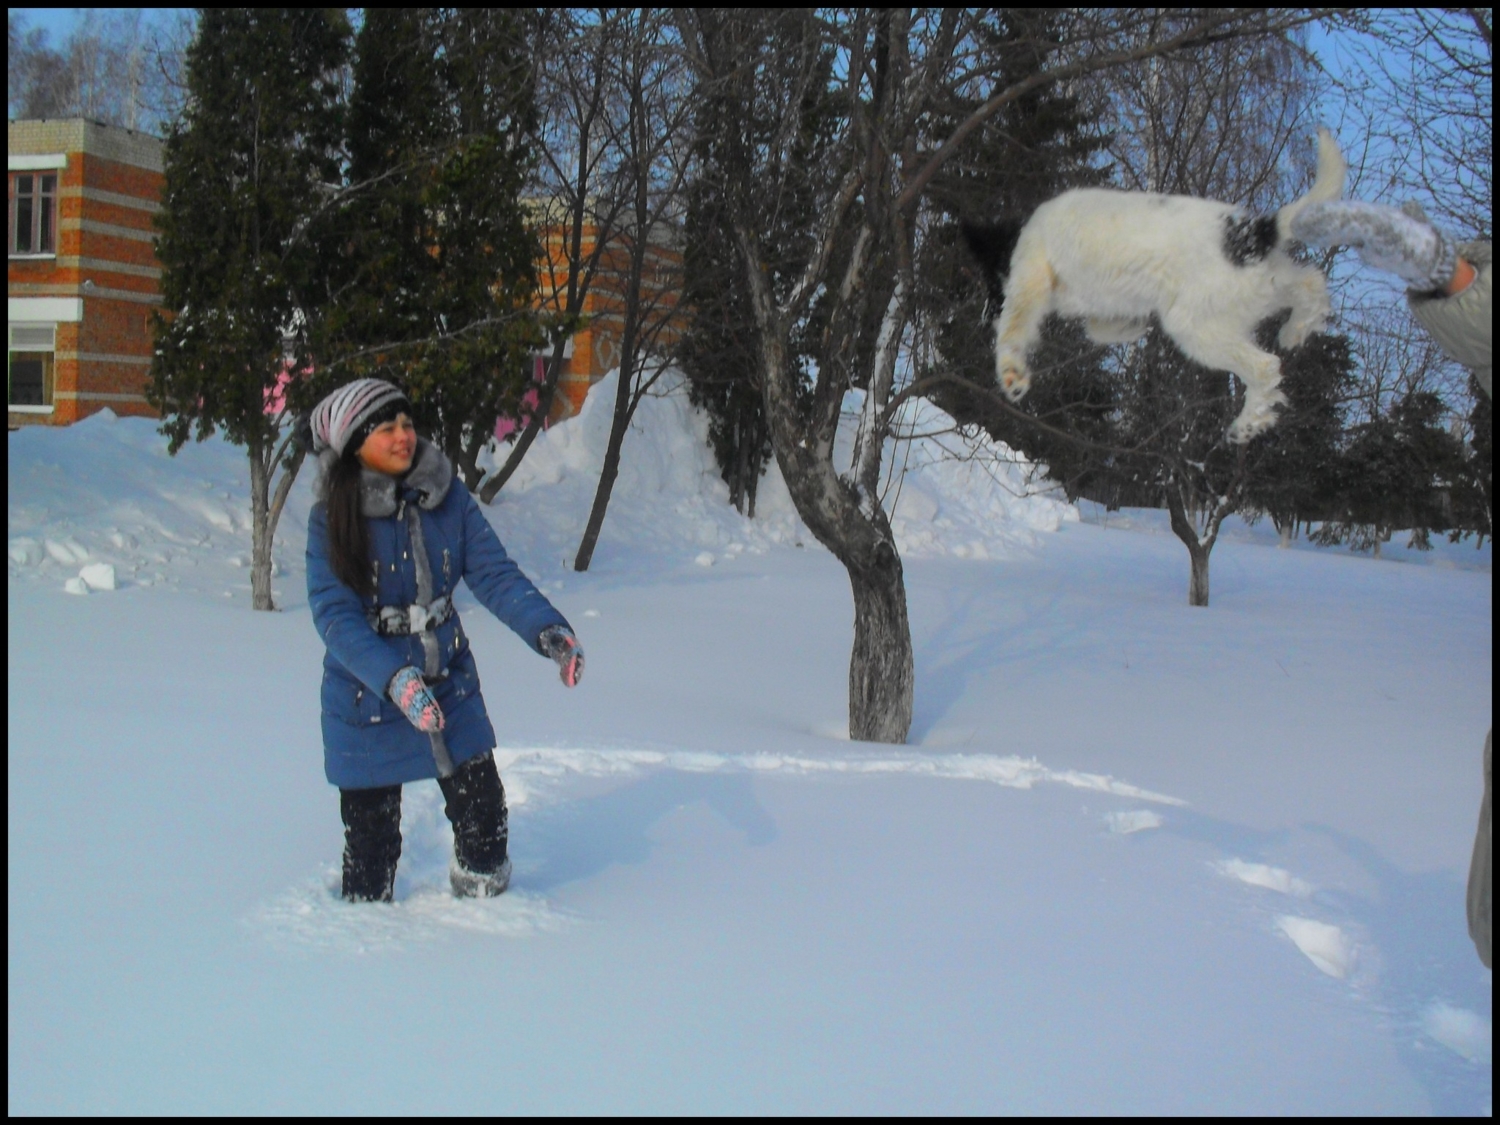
x=475 y=804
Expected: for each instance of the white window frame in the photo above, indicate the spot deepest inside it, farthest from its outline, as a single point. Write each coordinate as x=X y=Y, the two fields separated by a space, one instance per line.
x=33 y=345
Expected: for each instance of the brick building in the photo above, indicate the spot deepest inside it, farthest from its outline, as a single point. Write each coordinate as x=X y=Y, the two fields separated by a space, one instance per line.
x=82 y=278
x=594 y=350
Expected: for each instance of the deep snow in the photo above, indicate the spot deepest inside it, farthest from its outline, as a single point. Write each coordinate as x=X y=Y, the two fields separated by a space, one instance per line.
x=1137 y=857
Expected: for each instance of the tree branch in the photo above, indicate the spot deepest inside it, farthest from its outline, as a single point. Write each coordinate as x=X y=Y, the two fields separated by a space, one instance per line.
x=1201 y=33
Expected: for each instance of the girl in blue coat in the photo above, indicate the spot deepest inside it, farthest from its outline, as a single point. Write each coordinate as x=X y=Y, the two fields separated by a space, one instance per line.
x=387 y=542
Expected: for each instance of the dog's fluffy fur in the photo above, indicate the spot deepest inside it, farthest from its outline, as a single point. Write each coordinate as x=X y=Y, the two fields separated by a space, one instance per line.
x=1207 y=270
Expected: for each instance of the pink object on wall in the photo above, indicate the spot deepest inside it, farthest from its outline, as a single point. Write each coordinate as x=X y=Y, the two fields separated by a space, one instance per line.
x=505 y=426
x=276 y=396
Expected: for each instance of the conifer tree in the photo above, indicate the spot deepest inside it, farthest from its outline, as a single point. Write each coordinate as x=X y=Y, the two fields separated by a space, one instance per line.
x=433 y=286
x=1474 y=491
x=1038 y=146
x=247 y=166
x=1398 y=471
x=1295 y=473
x=718 y=351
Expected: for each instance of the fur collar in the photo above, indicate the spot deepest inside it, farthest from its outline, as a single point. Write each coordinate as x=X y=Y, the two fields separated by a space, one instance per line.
x=430 y=476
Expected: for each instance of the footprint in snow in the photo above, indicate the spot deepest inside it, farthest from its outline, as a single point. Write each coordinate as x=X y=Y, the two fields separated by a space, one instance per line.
x=1263 y=875
x=1324 y=944
x=1133 y=820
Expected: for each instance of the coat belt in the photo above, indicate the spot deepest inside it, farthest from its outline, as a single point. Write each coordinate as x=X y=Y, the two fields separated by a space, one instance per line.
x=404 y=620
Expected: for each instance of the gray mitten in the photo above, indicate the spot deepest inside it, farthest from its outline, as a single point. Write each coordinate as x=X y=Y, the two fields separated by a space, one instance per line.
x=1401 y=242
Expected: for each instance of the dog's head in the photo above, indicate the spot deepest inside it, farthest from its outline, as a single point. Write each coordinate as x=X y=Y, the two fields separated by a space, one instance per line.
x=992 y=245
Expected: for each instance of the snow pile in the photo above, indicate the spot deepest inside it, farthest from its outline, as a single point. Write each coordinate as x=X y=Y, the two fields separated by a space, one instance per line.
x=101 y=505
x=947 y=493
x=1264 y=875
x=1460 y=1030
x=668 y=499
x=1132 y=820
x=1325 y=945
x=954 y=491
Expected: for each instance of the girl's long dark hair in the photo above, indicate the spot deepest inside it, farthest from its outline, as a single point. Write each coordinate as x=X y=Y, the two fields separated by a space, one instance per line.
x=348 y=535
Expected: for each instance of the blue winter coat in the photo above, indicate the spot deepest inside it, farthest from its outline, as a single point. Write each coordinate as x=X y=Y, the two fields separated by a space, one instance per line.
x=367 y=741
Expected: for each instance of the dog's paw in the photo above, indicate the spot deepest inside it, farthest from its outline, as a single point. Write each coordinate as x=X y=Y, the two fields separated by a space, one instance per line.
x=1258 y=416
x=1242 y=429
x=1294 y=333
x=1014 y=383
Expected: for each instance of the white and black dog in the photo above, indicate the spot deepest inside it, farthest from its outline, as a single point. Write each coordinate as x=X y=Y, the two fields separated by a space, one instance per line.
x=1208 y=271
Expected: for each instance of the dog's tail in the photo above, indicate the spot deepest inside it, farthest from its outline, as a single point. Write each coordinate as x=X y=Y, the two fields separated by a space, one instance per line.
x=1327 y=184
x=992 y=245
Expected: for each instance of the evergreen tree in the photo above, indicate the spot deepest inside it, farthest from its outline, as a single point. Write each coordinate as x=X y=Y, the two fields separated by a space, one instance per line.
x=1038 y=146
x=1398 y=471
x=246 y=167
x=718 y=351
x=1474 y=491
x=1295 y=474
x=434 y=285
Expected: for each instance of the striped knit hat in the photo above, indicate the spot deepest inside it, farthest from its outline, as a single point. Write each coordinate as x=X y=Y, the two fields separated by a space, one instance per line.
x=348 y=412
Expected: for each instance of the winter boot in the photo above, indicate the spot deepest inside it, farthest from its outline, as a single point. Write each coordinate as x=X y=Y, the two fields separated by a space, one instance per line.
x=372 y=842
x=476 y=809
x=472 y=884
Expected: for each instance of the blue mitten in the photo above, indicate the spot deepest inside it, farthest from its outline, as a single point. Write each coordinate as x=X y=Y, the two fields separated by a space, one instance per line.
x=561 y=645
x=1403 y=242
x=410 y=693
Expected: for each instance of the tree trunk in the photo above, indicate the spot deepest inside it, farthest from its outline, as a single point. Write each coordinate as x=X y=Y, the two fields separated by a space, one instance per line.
x=491 y=488
x=1198 y=581
x=260 y=538
x=881 y=676
x=265 y=511
x=467 y=460
x=609 y=471
x=754 y=482
x=1198 y=548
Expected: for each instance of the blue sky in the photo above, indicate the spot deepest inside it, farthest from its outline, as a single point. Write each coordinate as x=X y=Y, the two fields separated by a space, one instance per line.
x=58 y=22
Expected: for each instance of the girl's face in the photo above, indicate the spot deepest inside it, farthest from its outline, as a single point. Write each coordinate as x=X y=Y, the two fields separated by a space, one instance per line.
x=390 y=447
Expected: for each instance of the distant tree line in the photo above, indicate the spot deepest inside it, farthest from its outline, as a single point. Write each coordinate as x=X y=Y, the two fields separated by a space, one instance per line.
x=115 y=66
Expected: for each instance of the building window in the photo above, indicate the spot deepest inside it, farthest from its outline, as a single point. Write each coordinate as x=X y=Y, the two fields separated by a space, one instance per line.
x=30 y=365
x=33 y=213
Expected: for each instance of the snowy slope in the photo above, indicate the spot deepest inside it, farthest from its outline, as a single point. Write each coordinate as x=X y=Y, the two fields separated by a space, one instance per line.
x=945 y=495
x=1136 y=858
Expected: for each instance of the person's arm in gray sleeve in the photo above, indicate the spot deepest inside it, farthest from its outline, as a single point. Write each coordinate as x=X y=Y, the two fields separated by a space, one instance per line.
x=1449 y=282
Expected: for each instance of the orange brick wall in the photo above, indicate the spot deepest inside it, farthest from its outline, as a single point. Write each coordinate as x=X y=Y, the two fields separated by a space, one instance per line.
x=105 y=256
x=596 y=347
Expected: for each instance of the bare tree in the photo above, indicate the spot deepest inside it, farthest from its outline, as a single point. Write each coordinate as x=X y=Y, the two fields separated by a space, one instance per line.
x=1412 y=93
x=855 y=277
x=654 y=138
x=579 y=201
x=1223 y=122
x=114 y=67
x=1419 y=85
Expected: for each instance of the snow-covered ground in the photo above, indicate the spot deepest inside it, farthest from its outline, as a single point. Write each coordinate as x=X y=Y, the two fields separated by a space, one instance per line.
x=1137 y=857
